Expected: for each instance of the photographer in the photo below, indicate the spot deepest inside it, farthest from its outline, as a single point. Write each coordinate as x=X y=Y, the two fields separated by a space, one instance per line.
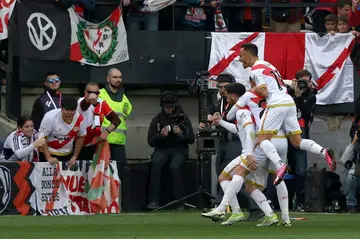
x=351 y=157
x=304 y=96
x=230 y=145
x=170 y=133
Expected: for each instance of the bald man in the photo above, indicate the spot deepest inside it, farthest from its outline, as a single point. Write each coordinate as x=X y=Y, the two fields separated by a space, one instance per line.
x=114 y=95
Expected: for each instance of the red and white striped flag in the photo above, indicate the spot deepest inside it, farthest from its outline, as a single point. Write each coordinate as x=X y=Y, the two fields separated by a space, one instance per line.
x=327 y=58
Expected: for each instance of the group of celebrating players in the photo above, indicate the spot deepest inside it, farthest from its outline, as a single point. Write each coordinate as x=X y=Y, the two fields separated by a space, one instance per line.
x=263 y=132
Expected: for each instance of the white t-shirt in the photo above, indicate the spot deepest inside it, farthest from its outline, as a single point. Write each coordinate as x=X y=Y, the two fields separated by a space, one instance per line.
x=60 y=135
x=265 y=74
x=18 y=147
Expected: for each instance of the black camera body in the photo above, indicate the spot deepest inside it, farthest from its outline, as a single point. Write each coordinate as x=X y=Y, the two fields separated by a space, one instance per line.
x=176 y=119
x=208 y=140
x=302 y=84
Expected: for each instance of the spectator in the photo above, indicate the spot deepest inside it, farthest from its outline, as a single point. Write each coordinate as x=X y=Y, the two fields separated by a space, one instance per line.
x=331 y=24
x=171 y=142
x=320 y=14
x=140 y=17
x=22 y=144
x=62 y=128
x=354 y=15
x=49 y=100
x=114 y=95
x=343 y=7
x=198 y=18
x=343 y=24
x=286 y=19
x=94 y=111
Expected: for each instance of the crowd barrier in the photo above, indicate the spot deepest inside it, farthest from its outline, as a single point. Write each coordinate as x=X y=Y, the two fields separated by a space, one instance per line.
x=45 y=189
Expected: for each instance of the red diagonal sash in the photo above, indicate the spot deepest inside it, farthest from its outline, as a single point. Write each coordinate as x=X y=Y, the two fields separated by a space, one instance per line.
x=73 y=132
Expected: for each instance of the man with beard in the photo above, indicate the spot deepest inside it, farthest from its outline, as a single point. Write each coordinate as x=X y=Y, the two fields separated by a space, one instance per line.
x=115 y=97
x=49 y=100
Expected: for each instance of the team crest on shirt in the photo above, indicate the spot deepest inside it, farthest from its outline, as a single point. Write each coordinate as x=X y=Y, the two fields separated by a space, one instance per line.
x=76 y=129
x=61 y=139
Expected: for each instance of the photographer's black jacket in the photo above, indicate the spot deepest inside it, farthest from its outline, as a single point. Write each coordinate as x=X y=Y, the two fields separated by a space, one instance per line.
x=155 y=139
x=305 y=105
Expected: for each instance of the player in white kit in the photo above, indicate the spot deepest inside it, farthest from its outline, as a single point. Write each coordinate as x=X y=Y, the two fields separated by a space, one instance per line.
x=244 y=166
x=279 y=113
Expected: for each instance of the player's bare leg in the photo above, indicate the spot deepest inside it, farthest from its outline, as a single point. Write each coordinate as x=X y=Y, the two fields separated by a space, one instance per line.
x=311 y=146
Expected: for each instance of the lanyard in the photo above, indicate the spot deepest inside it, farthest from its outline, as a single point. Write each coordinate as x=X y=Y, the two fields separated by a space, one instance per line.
x=226 y=107
x=52 y=101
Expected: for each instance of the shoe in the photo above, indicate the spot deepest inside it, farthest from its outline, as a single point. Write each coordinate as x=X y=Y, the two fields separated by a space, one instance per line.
x=286 y=223
x=234 y=218
x=214 y=215
x=269 y=221
x=280 y=173
x=330 y=159
x=153 y=205
x=255 y=215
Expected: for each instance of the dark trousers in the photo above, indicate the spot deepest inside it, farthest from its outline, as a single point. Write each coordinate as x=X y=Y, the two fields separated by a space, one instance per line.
x=228 y=151
x=60 y=158
x=118 y=154
x=160 y=157
x=298 y=162
x=87 y=153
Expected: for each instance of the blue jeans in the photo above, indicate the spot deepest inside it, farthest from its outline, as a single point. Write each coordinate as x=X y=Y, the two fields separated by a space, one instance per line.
x=148 y=22
x=352 y=188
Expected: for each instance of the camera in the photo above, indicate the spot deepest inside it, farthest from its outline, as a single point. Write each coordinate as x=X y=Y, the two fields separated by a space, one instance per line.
x=208 y=140
x=201 y=83
x=302 y=84
x=176 y=119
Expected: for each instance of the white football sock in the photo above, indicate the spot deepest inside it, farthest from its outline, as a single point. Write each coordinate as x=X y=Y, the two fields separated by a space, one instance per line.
x=262 y=202
x=283 y=198
x=310 y=146
x=270 y=151
x=234 y=204
x=231 y=191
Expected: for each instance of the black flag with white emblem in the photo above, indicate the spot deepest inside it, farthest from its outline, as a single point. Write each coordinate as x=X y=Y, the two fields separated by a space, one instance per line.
x=40 y=31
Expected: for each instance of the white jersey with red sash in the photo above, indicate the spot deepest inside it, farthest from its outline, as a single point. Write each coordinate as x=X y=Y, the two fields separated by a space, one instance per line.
x=254 y=103
x=60 y=136
x=93 y=118
x=265 y=74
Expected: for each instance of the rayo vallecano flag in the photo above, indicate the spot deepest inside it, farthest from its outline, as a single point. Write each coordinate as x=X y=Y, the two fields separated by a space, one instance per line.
x=100 y=44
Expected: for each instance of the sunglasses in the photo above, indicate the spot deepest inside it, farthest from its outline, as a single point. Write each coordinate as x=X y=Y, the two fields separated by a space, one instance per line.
x=93 y=92
x=53 y=81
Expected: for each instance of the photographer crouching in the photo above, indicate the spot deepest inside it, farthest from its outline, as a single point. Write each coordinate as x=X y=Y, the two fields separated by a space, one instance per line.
x=230 y=145
x=304 y=96
x=170 y=133
x=351 y=159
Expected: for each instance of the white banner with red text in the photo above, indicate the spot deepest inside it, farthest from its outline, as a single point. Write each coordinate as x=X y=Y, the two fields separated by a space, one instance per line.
x=63 y=191
x=327 y=58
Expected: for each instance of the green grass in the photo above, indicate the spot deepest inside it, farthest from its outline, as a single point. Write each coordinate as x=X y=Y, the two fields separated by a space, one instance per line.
x=175 y=226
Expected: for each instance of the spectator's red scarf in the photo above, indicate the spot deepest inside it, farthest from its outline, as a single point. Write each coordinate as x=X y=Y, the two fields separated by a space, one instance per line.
x=220 y=25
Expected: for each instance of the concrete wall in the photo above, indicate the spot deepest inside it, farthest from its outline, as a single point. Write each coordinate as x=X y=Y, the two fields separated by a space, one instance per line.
x=329 y=131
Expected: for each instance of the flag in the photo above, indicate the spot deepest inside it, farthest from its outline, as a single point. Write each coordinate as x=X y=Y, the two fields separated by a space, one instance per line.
x=101 y=44
x=327 y=58
x=6 y=9
x=103 y=187
x=157 y=5
x=40 y=31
